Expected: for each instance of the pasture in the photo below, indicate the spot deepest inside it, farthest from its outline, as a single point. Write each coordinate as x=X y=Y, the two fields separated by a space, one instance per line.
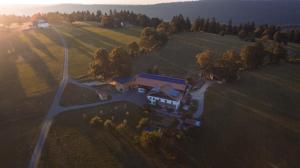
x=253 y=122
x=30 y=69
x=84 y=38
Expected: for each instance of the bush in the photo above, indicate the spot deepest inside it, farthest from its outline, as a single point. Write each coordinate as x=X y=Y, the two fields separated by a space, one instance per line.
x=142 y=123
x=108 y=123
x=123 y=125
x=152 y=138
x=96 y=121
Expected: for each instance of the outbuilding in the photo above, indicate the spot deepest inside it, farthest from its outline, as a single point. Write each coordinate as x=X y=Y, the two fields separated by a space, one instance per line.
x=122 y=84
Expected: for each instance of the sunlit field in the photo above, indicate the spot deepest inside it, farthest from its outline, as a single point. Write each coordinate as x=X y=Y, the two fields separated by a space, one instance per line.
x=177 y=57
x=253 y=122
x=84 y=38
x=30 y=69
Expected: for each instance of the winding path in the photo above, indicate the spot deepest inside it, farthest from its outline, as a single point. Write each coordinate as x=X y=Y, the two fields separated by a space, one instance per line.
x=54 y=109
x=199 y=95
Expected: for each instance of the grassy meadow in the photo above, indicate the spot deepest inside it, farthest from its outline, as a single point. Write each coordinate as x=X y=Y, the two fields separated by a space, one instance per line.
x=253 y=122
x=72 y=142
x=84 y=38
x=30 y=69
x=177 y=57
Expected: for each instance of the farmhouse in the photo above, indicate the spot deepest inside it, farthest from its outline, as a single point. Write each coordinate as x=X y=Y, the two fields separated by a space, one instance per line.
x=41 y=23
x=165 y=97
x=162 y=91
x=148 y=81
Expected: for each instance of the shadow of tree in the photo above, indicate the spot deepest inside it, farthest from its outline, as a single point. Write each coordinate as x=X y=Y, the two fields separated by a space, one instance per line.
x=40 y=68
x=39 y=45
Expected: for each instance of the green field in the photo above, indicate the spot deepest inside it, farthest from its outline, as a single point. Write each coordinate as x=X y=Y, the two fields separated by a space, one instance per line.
x=84 y=38
x=30 y=69
x=72 y=141
x=253 y=122
x=178 y=56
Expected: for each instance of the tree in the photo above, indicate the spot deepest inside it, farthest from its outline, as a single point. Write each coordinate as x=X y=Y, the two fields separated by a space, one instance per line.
x=196 y=25
x=252 y=56
x=278 y=53
x=151 y=139
x=205 y=59
x=100 y=65
x=107 y=21
x=165 y=27
x=121 y=62
x=151 y=39
x=229 y=64
x=188 y=24
x=133 y=49
x=248 y=57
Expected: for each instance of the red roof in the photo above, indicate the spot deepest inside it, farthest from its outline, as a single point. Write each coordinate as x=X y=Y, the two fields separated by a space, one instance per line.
x=151 y=80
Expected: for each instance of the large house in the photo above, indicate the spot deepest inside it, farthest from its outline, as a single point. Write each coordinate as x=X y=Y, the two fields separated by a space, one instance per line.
x=164 y=91
x=41 y=23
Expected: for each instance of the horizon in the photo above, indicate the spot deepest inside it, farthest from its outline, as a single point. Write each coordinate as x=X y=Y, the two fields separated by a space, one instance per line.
x=90 y=2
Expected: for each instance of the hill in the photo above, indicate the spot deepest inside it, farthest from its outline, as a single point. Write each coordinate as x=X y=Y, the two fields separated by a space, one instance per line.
x=283 y=12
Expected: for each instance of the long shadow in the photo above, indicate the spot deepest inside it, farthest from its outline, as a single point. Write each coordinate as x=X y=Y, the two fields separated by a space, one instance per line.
x=39 y=45
x=38 y=65
x=128 y=31
x=95 y=37
x=11 y=90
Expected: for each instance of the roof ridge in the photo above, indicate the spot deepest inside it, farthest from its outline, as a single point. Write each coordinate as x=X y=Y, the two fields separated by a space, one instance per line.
x=161 y=76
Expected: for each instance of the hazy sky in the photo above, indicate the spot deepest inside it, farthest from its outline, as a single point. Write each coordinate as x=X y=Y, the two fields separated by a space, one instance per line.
x=86 y=1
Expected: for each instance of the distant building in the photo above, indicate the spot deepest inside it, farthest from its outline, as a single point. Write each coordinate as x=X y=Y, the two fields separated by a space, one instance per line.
x=41 y=23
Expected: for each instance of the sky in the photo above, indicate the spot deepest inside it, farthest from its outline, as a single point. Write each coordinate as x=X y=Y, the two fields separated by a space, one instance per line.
x=8 y=2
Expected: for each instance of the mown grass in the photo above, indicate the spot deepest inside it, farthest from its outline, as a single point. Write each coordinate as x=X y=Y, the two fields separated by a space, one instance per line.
x=73 y=142
x=30 y=69
x=84 y=38
x=253 y=122
x=178 y=56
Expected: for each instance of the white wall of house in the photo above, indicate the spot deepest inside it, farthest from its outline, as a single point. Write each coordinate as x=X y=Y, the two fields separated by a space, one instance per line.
x=154 y=99
x=43 y=25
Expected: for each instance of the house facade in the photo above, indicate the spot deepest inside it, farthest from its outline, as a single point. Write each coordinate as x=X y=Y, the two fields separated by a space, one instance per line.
x=162 y=91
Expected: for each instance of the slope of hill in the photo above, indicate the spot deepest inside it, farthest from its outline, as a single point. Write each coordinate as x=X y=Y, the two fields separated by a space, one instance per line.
x=271 y=12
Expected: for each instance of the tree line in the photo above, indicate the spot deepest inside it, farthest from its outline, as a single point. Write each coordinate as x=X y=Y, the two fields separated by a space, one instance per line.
x=232 y=61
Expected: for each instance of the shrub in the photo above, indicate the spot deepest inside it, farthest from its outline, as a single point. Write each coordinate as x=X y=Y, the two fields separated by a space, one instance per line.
x=96 y=121
x=123 y=125
x=108 y=123
x=142 y=123
x=152 y=138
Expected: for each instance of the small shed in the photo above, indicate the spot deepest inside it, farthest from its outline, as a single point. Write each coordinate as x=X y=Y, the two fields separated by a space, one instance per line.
x=122 y=84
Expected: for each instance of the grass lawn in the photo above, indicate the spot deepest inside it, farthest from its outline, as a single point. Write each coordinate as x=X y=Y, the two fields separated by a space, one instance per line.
x=75 y=95
x=253 y=122
x=178 y=56
x=84 y=38
x=30 y=69
x=72 y=142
